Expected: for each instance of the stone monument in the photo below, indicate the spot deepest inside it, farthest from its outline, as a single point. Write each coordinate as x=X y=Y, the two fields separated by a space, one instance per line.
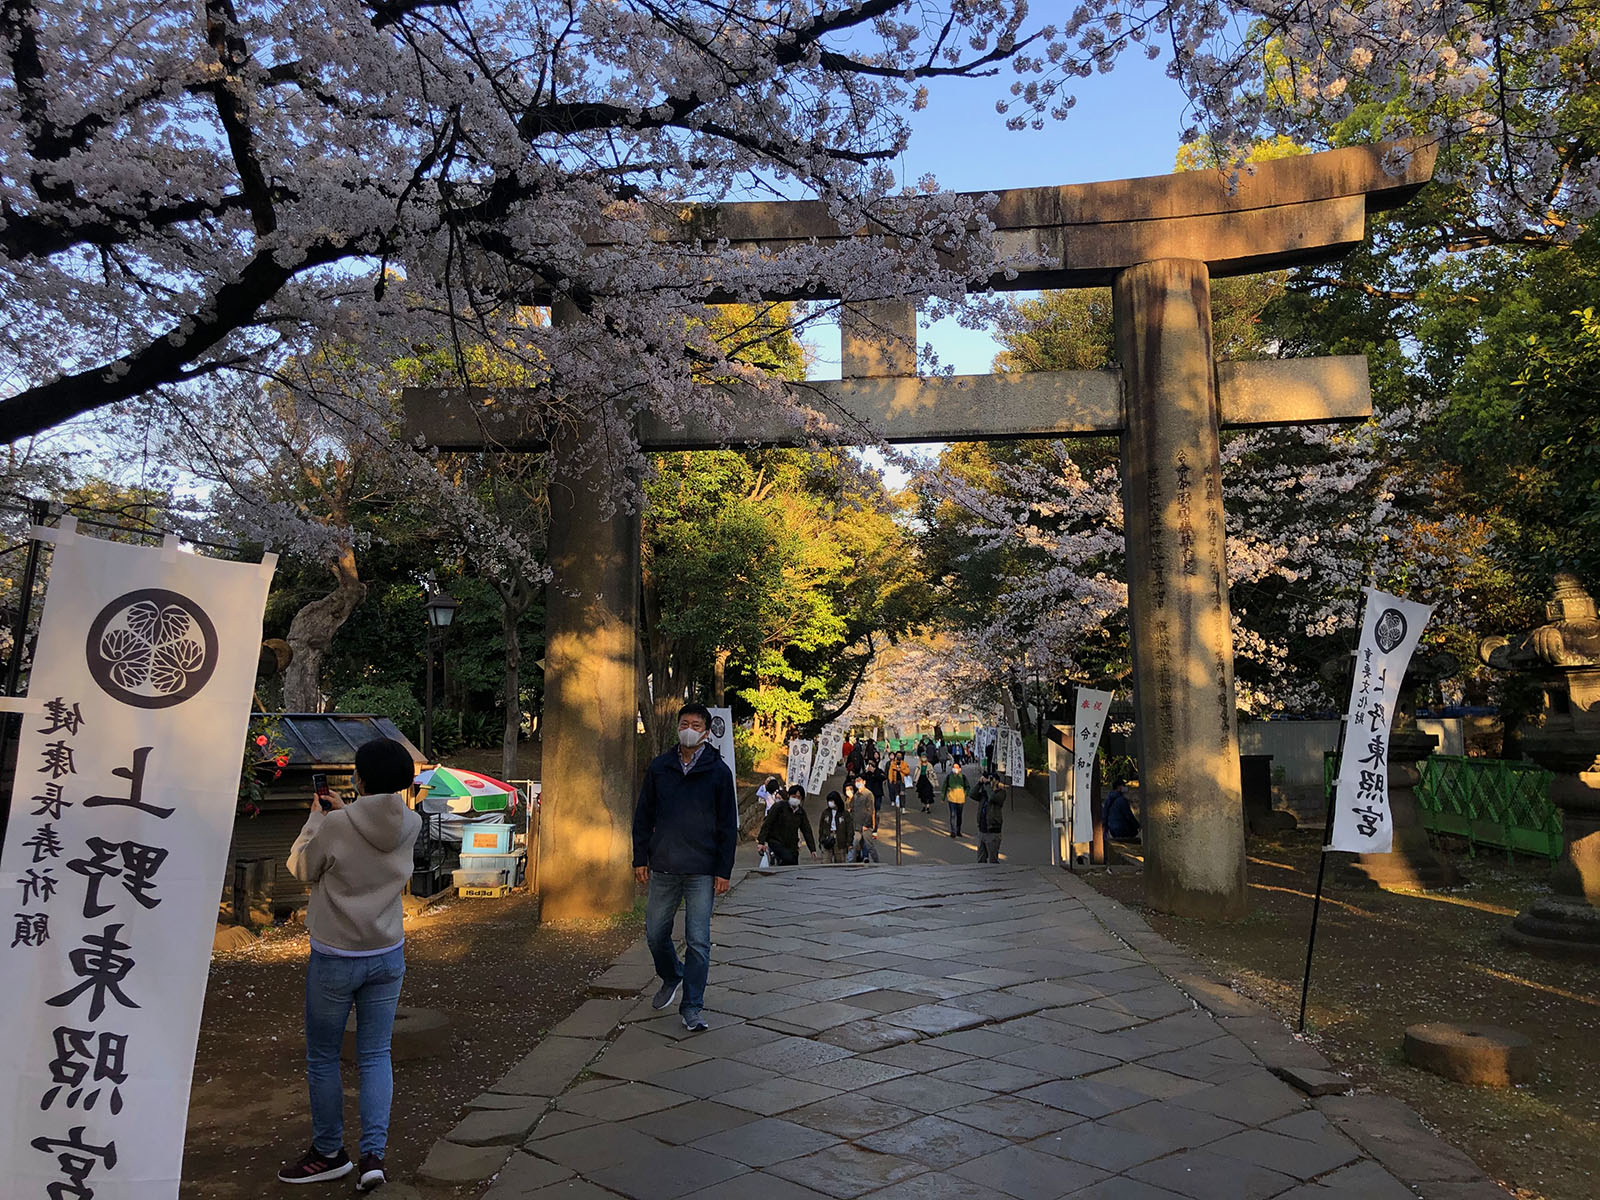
x=1564 y=657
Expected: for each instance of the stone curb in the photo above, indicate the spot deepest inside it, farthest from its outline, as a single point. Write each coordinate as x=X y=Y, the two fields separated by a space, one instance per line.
x=1387 y=1129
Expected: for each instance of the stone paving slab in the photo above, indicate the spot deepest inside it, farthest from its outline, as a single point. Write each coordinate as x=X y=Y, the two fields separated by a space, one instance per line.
x=939 y=1032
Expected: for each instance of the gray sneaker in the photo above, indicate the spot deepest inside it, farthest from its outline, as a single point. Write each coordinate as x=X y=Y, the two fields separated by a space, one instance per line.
x=666 y=994
x=695 y=1023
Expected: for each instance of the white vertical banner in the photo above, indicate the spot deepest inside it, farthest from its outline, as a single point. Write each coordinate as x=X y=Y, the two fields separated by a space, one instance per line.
x=722 y=736
x=1090 y=710
x=829 y=748
x=1017 y=766
x=127 y=780
x=1390 y=630
x=800 y=750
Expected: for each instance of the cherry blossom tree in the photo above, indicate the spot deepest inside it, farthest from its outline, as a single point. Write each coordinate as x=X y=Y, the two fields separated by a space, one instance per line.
x=201 y=191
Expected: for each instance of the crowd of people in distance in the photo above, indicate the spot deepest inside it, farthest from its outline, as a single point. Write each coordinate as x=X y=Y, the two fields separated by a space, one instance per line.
x=847 y=829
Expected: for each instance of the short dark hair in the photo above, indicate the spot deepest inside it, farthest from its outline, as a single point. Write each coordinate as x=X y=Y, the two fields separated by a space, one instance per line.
x=695 y=709
x=796 y=790
x=384 y=766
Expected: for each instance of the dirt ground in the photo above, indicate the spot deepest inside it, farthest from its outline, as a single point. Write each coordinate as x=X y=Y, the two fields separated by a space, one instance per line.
x=503 y=978
x=1385 y=961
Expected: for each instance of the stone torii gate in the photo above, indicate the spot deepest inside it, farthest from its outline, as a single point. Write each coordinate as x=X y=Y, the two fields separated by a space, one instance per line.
x=1157 y=241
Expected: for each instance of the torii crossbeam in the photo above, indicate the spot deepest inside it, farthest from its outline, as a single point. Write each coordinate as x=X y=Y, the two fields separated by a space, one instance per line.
x=1157 y=242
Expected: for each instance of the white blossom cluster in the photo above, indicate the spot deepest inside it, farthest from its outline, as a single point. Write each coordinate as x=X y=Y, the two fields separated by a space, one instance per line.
x=201 y=190
x=1309 y=509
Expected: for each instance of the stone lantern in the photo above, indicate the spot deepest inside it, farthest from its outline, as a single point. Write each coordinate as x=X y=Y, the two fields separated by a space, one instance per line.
x=1564 y=657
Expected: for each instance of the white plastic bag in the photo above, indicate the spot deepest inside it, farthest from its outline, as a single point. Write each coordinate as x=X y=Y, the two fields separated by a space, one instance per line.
x=766 y=860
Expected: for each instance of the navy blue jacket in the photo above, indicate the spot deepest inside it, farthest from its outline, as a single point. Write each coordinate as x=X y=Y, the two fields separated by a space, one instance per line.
x=686 y=824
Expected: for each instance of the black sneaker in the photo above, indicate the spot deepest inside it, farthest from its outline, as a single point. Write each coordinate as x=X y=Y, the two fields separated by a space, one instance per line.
x=314 y=1166
x=666 y=994
x=372 y=1175
x=695 y=1023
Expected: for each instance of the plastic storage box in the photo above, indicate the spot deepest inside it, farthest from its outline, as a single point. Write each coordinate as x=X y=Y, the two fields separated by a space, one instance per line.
x=485 y=839
x=513 y=864
x=471 y=877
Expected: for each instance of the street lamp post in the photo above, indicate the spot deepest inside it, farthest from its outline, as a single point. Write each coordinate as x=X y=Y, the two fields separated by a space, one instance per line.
x=441 y=608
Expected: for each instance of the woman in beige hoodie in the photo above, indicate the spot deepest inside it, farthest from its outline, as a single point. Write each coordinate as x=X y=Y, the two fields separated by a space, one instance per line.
x=357 y=859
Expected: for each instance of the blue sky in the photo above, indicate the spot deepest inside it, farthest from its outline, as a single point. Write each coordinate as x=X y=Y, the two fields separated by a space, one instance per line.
x=1126 y=124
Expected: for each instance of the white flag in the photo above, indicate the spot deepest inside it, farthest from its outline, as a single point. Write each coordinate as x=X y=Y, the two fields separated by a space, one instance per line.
x=1390 y=630
x=825 y=759
x=1091 y=708
x=133 y=738
x=800 y=760
x=722 y=737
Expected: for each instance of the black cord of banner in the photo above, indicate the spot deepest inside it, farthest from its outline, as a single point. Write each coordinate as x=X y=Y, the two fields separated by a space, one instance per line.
x=1322 y=871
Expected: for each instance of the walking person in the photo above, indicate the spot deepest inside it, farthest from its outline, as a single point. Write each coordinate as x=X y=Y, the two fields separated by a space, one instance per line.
x=955 y=795
x=685 y=828
x=924 y=784
x=865 y=818
x=835 y=830
x=357 y=859
x=770 y=792
x=873 y=777
x=782 y=830
x=991 y=798
x=895 y=780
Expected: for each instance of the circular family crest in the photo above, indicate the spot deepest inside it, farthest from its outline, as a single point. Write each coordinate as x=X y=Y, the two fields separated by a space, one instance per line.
x=1390 y=630
x=152 y=648
x=718 y=727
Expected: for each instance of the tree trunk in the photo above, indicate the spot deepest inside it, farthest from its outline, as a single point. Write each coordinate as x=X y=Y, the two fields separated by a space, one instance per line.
x=663 y=683
x=312 y=632
x=514 y=600
x=719 y=679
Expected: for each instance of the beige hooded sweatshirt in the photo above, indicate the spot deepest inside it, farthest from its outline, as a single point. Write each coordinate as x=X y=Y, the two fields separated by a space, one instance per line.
x=357 y=860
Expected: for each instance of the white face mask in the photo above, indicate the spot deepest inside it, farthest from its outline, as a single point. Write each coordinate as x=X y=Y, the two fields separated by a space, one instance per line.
x=794 y=801
x=689 y=738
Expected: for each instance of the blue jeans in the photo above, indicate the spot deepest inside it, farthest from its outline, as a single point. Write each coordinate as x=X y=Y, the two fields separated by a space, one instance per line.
x=666 y=893
x=955 y=818
x=333 y=984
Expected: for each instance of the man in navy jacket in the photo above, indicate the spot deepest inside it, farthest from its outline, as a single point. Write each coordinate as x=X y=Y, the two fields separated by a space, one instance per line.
x=685 y=828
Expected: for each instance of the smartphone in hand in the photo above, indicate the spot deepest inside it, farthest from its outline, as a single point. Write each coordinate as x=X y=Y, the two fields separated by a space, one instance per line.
x=319 y=786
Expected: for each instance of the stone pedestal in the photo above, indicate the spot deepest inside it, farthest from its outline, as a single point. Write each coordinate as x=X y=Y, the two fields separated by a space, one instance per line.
x=1411 y=863
x=1568 y=923
x=1178 y=591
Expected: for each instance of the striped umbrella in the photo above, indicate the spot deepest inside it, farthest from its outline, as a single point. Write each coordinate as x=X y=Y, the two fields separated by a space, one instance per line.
x=481 y=793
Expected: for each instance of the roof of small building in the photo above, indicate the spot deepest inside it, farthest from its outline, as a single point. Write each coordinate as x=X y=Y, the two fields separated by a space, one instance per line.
x=316 y=740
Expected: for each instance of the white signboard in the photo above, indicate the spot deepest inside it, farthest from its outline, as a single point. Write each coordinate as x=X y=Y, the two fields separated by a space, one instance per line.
x=722 y=736
x=830 y=746
x=800 y=760
x=1390 y=630
x=132 y=739
x=1011 y=762
x=1089 y=722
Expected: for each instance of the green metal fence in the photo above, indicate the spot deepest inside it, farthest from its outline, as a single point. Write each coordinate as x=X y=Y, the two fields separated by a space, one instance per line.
x=1487 y=801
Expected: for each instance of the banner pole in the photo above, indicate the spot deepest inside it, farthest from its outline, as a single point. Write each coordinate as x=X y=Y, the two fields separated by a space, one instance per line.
x=38 y=513
x=1316 y=903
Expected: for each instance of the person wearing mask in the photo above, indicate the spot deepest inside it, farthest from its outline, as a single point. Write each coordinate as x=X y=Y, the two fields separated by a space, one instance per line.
x=685 y=830
x=835 y=831
x=895 y=780
x=991 y=798
x=924 y=784
x=782 y=830
x=872 y=777
x=864 y=816
x=955 y=796
x=357 y=859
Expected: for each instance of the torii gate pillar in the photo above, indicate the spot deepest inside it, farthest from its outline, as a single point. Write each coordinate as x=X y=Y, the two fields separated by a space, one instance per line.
x=1177 y=590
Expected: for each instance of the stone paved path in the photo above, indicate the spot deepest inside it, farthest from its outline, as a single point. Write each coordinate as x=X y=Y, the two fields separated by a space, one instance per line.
x=937 y=1032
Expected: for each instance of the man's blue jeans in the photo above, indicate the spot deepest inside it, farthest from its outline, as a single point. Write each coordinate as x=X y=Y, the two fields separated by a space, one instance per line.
x=333 y=985
x=695 y=894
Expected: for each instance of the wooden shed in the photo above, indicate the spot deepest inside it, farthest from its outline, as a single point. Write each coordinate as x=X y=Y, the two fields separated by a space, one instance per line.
x=316 y=742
